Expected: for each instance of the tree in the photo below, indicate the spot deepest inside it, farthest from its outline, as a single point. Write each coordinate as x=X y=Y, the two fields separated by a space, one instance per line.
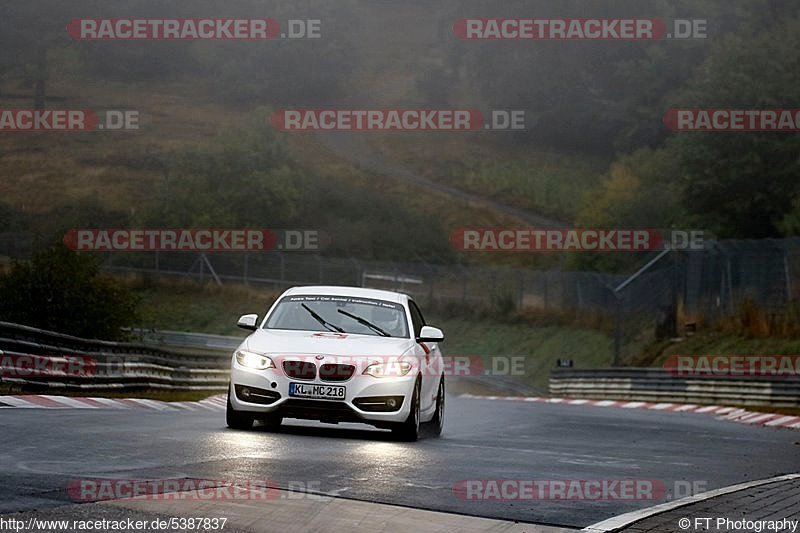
x=64 y=291
x=742 y=184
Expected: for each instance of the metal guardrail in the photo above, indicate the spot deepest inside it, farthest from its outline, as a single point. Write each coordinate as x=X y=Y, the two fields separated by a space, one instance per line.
x=174 y=360
x=171 y=360
x=660 y=385
x=114 y=365
x=183 y=339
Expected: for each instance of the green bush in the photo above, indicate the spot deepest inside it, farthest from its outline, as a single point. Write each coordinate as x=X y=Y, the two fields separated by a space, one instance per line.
x=63 y=291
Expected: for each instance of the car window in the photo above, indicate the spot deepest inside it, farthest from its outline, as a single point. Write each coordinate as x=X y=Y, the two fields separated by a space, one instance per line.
x=417 y=320
x=342 y=314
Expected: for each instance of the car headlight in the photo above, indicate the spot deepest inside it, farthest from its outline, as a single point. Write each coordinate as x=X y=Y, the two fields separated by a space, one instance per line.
x=254 y=360
x=392 y=369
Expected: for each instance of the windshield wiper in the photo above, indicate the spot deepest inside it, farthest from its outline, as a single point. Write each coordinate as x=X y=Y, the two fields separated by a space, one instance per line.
x=321 y=320
x=366 y=322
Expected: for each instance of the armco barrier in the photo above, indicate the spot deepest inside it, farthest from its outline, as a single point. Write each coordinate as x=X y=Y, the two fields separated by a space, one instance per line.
x=173 y=360
x=117 y=365
x=660 y=385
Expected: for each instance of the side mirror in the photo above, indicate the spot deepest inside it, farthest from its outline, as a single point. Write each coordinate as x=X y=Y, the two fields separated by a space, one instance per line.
x=430 y=334
x=248 y=322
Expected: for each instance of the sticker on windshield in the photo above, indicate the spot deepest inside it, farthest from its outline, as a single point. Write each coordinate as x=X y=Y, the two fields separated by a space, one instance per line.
x=342 y=300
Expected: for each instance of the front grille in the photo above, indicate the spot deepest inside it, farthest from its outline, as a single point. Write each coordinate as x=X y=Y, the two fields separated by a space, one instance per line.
x=327 y=411
x=334 y=372
x=300 y=369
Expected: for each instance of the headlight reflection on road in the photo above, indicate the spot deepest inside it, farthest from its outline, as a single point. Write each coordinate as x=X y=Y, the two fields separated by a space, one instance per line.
x=384 y=454
x=240 y=443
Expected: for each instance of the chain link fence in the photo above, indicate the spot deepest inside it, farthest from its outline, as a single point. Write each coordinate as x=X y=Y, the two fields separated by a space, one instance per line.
x=671 y=285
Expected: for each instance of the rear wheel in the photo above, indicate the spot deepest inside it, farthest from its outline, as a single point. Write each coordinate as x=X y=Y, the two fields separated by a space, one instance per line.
x=409 y=430
x=236 y=419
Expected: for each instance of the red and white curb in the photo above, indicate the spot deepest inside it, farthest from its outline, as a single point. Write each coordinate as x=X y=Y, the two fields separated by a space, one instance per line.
x=37 y=401
x=722 y=413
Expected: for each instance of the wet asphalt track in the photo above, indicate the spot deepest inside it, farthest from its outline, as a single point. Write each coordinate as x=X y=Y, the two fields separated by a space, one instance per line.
x=42 y=450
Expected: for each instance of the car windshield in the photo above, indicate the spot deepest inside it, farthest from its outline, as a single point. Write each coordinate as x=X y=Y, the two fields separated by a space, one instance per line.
x=339 y=314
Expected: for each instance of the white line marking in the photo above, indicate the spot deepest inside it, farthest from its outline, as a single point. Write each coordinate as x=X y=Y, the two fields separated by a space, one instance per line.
x=17 y=402
x=632 y=405
x=707 y=409
x=113 y=404
x=749 y=417
x=70 y=402
x=738 y=415
x=149 y=404
x=760 y=418
x=660 y=406
x=620 y=521
x=733 y=414
x=781 y=420
x=605 y=403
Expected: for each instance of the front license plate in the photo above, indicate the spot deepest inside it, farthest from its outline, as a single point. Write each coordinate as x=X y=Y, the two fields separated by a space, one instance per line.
x=325 y=392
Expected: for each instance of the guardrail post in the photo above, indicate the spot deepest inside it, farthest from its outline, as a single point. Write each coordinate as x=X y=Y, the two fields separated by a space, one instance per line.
x=545 y=290
x=787 y=274
x=617 y=330
x=358 y=272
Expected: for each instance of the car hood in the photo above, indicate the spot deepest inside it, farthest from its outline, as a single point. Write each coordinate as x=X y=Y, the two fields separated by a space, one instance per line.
x=283 y=342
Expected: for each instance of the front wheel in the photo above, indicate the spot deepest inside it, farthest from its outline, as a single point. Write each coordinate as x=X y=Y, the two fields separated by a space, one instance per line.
x=271 y=422
x=436 y=424
x=236 y=419
x=409 y=430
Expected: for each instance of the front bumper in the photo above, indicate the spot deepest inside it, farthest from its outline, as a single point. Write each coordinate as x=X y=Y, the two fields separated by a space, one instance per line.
x=269 y=395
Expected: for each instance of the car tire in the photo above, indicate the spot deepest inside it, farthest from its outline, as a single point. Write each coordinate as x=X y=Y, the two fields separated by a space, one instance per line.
x=435 y=426
x=409 y=430
x=271 y=422
x=236 y=419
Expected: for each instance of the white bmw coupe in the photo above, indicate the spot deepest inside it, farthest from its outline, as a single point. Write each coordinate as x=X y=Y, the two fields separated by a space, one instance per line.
x=340 y=354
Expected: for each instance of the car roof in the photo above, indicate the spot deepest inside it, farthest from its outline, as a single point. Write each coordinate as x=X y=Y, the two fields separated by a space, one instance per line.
x=356 y=292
